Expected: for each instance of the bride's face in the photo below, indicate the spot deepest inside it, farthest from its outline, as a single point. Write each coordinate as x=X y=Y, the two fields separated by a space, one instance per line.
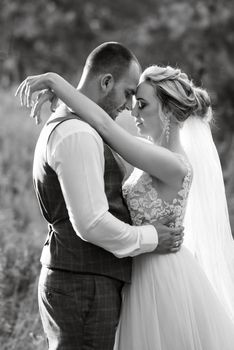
x=147 y=112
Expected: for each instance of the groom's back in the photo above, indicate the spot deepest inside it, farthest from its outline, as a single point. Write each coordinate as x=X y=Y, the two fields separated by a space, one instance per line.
x=63 y=248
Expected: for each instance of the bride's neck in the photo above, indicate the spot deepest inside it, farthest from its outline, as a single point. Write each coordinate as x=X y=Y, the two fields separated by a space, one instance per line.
x=173 y=142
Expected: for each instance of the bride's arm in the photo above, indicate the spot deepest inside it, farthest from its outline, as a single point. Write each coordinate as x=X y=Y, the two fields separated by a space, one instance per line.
x=153 y=159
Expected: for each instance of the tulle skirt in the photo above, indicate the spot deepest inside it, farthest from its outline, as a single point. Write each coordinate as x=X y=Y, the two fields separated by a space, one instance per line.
x=170 y=305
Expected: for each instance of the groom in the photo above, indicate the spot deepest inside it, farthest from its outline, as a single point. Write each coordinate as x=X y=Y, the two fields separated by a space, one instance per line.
x=86 y=258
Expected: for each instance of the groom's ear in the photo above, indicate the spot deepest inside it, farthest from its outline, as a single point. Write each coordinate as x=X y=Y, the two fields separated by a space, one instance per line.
x=107 y=83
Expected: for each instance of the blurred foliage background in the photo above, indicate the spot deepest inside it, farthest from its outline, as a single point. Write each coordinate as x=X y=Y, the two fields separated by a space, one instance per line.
x=57 y=35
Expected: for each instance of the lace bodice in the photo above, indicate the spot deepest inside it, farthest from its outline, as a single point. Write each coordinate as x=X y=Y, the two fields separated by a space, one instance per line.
x=143 y=200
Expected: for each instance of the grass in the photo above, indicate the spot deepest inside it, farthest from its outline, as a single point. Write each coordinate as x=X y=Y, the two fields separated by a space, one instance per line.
x=23 y=231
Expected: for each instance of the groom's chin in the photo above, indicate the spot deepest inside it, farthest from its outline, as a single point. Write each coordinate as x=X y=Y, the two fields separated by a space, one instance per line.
x=114 y=116
x=112 y=113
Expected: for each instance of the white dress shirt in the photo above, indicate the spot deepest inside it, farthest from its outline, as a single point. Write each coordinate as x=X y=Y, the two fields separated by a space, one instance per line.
x=76 y=153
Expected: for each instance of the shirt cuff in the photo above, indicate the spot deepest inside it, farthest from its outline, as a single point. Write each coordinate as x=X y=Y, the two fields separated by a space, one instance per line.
x=148 y=240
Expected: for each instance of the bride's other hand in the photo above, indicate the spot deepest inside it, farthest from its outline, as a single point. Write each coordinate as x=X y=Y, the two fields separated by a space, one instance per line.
x=169 y=238
x=43 y=97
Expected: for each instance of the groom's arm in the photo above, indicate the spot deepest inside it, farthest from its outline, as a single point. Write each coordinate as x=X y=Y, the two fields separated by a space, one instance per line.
x=77 y=157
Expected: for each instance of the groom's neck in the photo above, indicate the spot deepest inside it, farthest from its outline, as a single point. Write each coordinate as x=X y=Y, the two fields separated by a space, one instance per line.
x=86 y=89
x=89 y=88
x=88 y=92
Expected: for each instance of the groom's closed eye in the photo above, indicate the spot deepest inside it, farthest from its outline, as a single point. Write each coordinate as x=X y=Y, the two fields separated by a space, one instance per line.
x=129 y=93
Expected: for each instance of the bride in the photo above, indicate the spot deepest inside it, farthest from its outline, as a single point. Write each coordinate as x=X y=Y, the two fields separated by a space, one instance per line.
x=181 y=301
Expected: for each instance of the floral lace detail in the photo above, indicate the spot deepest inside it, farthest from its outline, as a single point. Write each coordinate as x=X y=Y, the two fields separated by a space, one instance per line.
x=144 y=203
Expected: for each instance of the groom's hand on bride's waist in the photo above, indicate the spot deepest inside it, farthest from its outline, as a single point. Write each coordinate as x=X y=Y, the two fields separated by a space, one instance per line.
x=169 y=238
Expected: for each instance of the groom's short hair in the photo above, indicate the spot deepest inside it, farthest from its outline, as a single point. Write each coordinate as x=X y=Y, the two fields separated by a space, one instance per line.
x=110 y=57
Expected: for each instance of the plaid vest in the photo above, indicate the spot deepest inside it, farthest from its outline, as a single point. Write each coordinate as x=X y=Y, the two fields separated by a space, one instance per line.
x=63 y=249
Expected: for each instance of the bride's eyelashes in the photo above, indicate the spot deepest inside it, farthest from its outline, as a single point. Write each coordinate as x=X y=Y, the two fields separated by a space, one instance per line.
x=141 y=104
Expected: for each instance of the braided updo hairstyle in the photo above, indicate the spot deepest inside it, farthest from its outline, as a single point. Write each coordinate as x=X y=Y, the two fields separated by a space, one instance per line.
x=176 y=92
x=204 y=104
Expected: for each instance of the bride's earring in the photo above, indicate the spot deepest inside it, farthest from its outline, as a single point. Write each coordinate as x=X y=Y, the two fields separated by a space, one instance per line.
x=149 y=138
x=167 y=127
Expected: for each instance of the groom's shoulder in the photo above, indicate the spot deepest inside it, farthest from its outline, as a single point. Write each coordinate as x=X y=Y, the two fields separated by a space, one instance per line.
x=67 y=123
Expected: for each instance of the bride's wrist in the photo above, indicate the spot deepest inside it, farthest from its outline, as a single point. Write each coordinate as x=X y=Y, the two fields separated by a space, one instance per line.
x=51 y=80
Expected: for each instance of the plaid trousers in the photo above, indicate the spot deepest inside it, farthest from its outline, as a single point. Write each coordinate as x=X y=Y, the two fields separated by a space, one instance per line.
x=79 y=311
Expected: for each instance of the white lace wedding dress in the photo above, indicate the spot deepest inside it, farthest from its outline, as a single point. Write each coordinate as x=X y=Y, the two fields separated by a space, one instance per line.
x=170 y=305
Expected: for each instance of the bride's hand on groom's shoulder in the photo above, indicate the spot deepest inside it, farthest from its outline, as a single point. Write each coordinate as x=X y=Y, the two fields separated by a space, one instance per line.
x=32 y=84
x=169 y=238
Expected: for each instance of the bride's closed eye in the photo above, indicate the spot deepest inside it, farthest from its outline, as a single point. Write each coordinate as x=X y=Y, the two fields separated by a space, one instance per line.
x=141 y=104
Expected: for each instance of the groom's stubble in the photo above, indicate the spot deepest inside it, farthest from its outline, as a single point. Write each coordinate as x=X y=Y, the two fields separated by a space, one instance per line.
x=110 y=103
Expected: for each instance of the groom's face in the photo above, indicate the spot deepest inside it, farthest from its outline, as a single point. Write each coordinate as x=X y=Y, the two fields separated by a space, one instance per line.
x=120 y=97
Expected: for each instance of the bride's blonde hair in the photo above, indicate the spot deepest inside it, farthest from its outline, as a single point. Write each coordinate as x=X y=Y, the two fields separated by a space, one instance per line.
x=176 y=92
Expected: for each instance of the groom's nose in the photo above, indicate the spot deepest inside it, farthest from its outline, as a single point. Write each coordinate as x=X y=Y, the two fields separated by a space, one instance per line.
x=128 y=104
x=134 y=111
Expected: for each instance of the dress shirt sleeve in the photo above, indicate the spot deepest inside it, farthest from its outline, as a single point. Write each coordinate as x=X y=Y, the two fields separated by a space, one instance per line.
x=78 y=160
